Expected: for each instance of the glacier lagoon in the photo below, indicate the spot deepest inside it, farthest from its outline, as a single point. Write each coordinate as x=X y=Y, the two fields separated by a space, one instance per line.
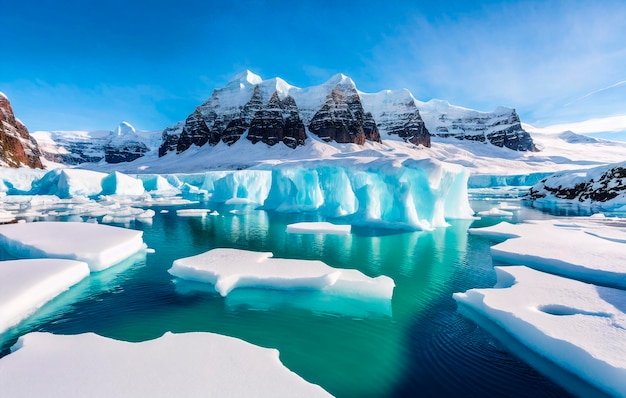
x=416 y=345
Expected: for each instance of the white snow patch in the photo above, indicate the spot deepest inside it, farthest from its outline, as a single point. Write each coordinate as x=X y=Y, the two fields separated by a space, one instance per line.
x=174 y=365
x=318 y=228
x=229 y=269
x=26 y=285
x=579 y=327
x=100 y=246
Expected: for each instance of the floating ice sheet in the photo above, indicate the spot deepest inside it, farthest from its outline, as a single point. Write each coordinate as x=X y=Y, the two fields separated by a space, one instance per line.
x=26 y=285
x=579 y=327
x=174 y=365
x=228 y=269
x=589 y=250
x=100 y=246
x=318 y=228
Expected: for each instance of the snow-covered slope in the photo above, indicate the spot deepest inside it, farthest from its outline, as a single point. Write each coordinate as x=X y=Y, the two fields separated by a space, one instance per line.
x=124 y=144
x=335 y=112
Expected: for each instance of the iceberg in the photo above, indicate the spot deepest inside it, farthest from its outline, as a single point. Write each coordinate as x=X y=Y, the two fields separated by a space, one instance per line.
x=174 y=365
x=592 y=251
x=318 y=228
x=228 y=269
x=67 y=183
x=117 y=183
x=579 y=327
x=26 y=285
x=100 y=246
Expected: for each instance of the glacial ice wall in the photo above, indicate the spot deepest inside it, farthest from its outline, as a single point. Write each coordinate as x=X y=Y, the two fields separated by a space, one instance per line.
x=416 y=194
x=409 y=194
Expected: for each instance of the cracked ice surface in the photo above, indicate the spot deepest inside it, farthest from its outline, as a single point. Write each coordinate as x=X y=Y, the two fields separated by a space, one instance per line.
x=100 y=246
x=174 y=365
x=579 y=327
x=229 y=269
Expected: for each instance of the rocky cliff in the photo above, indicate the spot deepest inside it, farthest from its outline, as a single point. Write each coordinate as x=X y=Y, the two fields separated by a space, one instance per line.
x=272 y=111
x=17 y=148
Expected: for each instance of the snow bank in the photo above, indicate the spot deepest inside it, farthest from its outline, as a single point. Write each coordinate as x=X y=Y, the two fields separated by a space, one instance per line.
x=26 y=285
x=579 y=327
x=174 y=365
x=318 y=228
x=100 y=246
x=590 y=251
x=229 y=269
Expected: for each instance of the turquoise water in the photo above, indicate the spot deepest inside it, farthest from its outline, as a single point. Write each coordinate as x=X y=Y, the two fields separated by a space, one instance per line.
x=415 y=345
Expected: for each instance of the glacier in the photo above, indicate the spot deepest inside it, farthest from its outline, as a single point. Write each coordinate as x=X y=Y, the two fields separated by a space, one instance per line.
x=411 y=194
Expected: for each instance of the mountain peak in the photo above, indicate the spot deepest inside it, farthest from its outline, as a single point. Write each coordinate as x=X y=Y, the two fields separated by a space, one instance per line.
x=246 y=78
x=124 y=128
x=3 y=96
x=340 y=78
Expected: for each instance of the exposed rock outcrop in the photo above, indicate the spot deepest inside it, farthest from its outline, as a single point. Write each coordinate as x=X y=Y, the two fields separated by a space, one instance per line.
x=17 y=148
x=597 y=185
x=342 y=118
x=501 y=127
x=278 y=121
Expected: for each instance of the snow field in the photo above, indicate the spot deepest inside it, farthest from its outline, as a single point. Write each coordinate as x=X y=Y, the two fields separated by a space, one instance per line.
x=228 y=269
x=189 y=364
x=26 y=285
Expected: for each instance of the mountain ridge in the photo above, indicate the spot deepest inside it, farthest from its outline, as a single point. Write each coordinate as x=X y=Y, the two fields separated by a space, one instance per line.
x=336 y=111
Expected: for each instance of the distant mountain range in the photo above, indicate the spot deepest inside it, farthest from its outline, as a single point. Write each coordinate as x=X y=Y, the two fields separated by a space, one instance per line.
x=274 y=112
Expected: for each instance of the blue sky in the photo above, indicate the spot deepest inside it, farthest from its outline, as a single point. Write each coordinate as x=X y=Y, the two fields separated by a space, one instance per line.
x=86 y=65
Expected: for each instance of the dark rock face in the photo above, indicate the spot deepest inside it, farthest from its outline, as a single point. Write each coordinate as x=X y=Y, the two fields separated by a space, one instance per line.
x=278 y=121
x=607 y=186
x=407 y=123
x=170 y=139
x=502 y=129
x=126 y=152
x=17 y=148
x=343 y=120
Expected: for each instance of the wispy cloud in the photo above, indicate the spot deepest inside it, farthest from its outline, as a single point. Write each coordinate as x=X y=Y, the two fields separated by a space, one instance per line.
x=597 y=91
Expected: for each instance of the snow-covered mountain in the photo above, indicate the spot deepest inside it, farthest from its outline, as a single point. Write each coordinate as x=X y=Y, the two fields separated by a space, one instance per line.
x=17 y=148
x=124 y=144
x=272 y=111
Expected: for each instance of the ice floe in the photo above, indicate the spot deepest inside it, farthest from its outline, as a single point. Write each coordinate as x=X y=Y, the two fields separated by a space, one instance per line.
x=100 y=246
x=318 y=228
x=590 y=250
x=26 y=285
x=577 y=326
x=192 y=212
x=174 y=365
x=228 y=269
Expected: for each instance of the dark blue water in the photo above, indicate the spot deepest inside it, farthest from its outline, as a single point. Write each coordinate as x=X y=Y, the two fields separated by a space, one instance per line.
x=417 y=345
